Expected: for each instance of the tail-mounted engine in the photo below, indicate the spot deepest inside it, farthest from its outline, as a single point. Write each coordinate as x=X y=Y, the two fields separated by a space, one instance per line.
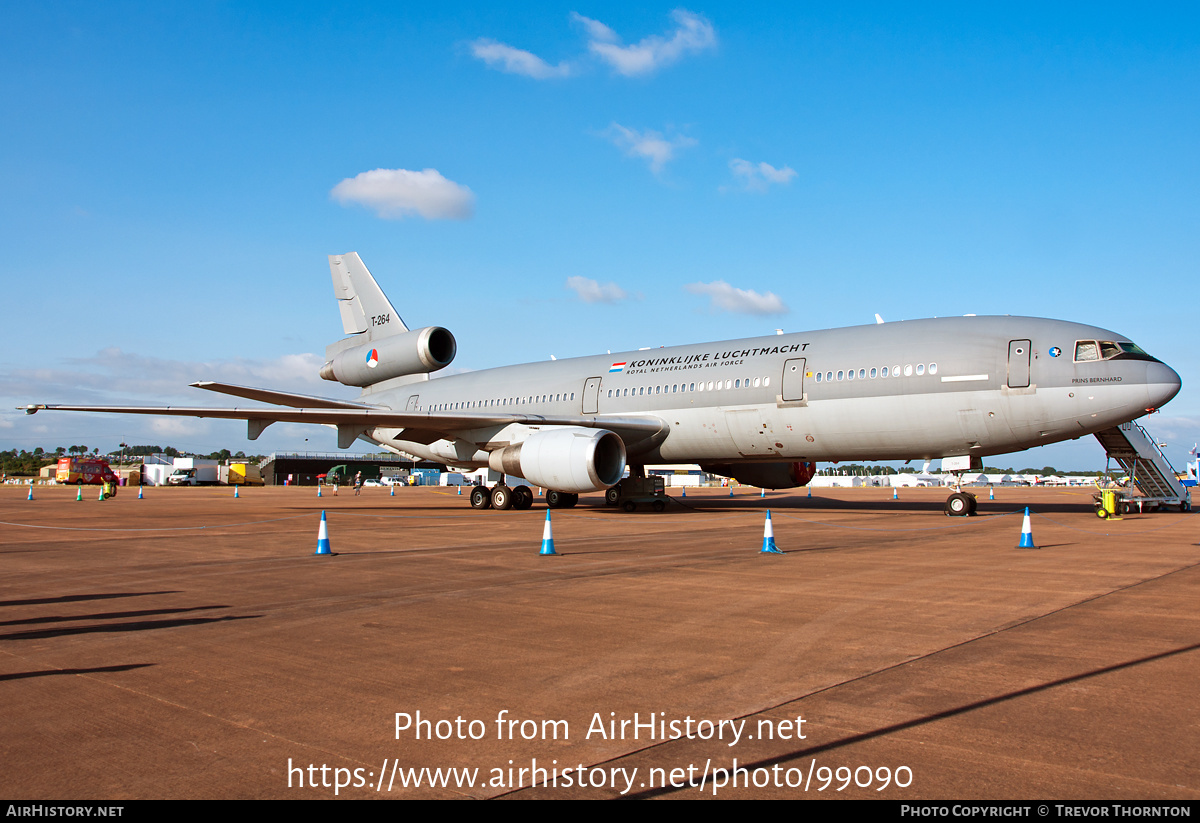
x=415 y=352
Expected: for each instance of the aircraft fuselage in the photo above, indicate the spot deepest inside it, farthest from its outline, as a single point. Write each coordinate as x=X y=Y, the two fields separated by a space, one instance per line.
x=918 y=389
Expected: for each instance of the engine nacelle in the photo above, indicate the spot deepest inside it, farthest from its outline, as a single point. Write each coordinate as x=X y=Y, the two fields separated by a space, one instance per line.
x=414 y=352
x=766 y=475
x=566 y=459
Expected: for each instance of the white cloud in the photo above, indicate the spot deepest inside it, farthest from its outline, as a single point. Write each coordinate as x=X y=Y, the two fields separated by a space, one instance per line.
x=595 y=29
x=692 y=34
x=399 y=193
x=511 y=60
x=591 y=291
x=651 y=146
x=741 y=301
x=759 y=176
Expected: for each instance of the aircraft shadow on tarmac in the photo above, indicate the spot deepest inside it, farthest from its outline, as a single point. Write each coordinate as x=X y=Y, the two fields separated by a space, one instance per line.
x=935 y=716
x=97 y=670
x=141 y=625
x=73 y=598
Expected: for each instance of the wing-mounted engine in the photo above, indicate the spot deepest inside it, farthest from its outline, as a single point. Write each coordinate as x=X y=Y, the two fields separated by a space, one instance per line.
x=566 y=459
x=766 y=475
x=410 y=352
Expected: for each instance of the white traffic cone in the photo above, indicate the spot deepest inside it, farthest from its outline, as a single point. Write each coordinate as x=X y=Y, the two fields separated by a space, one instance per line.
x=1026 y=533
x=323 y=538
x=768 y=546
x=547 y=538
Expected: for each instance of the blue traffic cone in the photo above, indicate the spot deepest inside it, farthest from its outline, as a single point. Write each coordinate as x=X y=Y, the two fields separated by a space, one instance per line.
x=731 y=490
x=235 y=492
x=140 y=495
x=895 y=493
x=459 y=492
x=1026 y=533
x=684 y=493
x=539 y=491
x=991 y=492
x=392 y=493
x=762 y=492
x=30 y=497
x=769 y=546
x=810 y=491
x=547 y=537
x=318 y=490
x=323 y=537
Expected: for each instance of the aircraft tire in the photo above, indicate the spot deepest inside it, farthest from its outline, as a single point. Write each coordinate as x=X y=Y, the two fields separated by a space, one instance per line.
x=555 y=500
x=481 y=498
x=522 y=498
x=612 y=496
x=958 y=505
x=973 y=505
x=502 y=498
x=572 y=499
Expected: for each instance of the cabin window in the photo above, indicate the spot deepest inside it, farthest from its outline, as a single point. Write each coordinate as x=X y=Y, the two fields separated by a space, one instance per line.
x=874 y=372
x=920 y=368
x=841 y=374
x=819 y=376
x=896 y=370
x=850 y=374
x=766 y=381
x=862 y=373
x=933 y=368
x=908 y=369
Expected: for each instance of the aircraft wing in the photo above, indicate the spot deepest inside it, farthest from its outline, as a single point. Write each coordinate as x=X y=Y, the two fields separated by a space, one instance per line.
x=424 y=427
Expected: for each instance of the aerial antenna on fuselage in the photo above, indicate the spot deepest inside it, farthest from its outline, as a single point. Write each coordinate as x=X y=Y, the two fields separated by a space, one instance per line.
x=878 y=319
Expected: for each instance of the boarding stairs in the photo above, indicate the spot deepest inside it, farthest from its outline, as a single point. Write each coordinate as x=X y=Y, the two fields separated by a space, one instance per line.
x=1147 y=467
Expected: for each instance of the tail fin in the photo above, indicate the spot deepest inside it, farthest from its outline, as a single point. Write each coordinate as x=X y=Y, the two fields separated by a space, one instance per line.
x=363 y=305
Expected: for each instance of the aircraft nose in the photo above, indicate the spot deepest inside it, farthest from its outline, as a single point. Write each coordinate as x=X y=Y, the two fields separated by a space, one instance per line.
x=1162 y=383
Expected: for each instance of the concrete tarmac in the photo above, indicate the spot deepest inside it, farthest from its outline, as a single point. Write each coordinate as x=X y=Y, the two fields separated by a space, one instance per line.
x=190 y=645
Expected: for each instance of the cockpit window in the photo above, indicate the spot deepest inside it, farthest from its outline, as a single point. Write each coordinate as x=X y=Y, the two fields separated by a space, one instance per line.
x=1086 y=350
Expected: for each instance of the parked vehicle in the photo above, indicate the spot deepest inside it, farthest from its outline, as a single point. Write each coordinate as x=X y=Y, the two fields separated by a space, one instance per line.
x=78 y=471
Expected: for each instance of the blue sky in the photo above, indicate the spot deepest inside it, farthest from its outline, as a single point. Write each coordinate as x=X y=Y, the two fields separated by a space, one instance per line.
x=566 y=179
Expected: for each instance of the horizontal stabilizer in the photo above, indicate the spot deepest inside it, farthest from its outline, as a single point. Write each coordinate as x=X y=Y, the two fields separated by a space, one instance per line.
x=281 y=398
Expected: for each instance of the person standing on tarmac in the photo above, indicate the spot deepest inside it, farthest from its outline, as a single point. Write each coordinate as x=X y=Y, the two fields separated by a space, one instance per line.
x=357 y=484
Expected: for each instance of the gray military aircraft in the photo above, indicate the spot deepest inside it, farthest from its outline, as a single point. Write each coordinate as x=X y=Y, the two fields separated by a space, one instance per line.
x=763 y=409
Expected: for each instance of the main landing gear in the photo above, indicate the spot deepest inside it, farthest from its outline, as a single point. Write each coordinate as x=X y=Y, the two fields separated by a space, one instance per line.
x=519 y=498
